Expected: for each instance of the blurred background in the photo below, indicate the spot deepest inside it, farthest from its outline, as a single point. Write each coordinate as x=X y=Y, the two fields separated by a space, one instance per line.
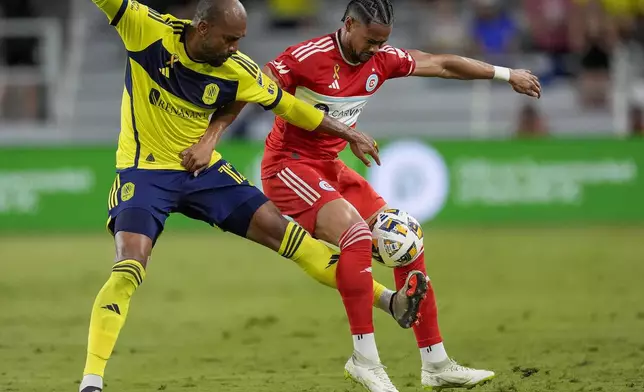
x=533 y=210
x=62 y=66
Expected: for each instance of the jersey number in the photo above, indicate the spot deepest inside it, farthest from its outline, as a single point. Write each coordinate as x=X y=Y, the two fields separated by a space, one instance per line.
x=234 y=174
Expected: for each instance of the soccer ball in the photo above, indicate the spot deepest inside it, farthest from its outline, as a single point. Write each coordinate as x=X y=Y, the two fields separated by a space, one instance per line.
x=397 y=238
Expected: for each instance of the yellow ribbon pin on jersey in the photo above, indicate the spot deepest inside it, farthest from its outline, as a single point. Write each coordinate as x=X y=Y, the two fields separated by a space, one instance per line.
x=336 y=72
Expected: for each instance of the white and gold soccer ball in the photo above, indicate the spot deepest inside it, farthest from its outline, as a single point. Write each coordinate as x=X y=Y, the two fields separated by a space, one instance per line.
x=397 y=238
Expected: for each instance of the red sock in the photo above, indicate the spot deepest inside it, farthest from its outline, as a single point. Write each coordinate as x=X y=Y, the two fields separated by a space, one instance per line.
x=355 y=281
x=427 y=331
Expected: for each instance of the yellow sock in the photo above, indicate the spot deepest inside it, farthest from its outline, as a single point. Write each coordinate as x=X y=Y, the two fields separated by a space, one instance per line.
x=109 y=313
x=316 y=259
x=378 y=291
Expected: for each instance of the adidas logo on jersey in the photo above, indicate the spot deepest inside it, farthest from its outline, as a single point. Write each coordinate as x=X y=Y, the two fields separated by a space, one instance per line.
x=165 y=71
x=280 y=67
x=335 y=85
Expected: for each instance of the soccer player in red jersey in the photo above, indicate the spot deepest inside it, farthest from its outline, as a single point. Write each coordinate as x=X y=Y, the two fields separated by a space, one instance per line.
x=302 y=175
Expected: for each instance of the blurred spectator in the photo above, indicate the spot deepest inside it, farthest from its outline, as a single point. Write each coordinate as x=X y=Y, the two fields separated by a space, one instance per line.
x=291 y=14
x=628 y=16
x=19 y=52
x=531 y=123
x=549 y=32
x=593 y=40
x=636 y=120
x=185 y=10
x=178 y=8
x=444 y=28
x=495 y=32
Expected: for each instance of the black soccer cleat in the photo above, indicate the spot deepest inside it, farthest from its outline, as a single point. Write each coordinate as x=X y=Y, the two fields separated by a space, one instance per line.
x=405 y=303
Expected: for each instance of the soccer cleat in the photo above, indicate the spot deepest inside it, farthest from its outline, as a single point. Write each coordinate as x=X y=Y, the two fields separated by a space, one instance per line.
x=405 y=303
x=91 y=383
x=370 y=375
x=452 y=375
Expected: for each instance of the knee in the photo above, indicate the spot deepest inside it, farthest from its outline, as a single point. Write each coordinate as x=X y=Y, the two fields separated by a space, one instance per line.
x=357 y=236
x=273 y=223
x=335 y=220
x=131 y=254
x=131 y=246
x=267 y=226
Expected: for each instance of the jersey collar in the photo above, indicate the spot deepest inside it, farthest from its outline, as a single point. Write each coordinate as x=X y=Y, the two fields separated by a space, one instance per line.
x=181 y=48
x=337 y=40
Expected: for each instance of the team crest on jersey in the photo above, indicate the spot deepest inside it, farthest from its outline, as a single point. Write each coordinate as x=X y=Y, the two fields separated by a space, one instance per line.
x=326 y=186
x=372 y=82
x=127 y=191
x=323 y=107
x=210 y=94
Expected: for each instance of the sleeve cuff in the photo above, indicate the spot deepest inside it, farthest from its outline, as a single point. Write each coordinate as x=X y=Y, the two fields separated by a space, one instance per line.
x=120 y=13
x=277 y=101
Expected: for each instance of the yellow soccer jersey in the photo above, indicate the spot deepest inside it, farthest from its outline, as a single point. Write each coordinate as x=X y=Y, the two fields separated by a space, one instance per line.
x=168 y=98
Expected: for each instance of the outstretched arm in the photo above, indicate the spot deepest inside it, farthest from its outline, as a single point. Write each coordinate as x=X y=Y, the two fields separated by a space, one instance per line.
x=448 y=66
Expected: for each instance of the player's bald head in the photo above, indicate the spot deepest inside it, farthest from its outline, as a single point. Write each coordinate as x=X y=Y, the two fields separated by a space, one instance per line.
x=230 y=11
x=219 y=26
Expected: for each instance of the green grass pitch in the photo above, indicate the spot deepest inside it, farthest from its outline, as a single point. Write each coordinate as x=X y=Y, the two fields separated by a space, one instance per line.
x=549 y=309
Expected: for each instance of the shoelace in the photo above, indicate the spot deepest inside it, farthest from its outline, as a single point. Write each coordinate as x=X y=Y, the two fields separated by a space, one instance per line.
x=379 y=371
x=454 y=366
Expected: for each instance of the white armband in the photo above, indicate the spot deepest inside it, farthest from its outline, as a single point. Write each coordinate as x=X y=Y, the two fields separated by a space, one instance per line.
x=502 y=73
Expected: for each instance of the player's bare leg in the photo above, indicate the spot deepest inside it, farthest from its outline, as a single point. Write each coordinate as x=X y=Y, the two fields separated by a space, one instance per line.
x=112 y=303
x=338 y=222
x=267 y=227
x=438 y=370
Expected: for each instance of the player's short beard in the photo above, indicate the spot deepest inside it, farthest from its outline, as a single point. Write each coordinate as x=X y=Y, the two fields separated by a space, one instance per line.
x=364 y=57
x=211 y=56
x=354 y=56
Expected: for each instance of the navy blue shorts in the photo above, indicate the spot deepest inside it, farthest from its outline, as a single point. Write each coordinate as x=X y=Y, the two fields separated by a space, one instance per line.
x=141 y=200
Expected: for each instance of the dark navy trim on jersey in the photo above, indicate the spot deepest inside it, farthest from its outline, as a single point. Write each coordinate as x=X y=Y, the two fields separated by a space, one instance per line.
x=154 y=15
x=183 y=82
x=128 y=87
x=120 y=13
x=251 y=68
x=182 y=39
x=252 y=65
x=276 y=102
x=178 y=27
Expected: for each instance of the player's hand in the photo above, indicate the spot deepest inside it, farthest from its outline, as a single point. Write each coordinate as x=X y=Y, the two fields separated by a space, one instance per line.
x=197 y=158
x=364 y=145
x=524 y=82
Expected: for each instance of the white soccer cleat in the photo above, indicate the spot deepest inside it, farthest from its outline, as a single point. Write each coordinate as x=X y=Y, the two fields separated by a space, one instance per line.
x=453 y=375
x=370 y=375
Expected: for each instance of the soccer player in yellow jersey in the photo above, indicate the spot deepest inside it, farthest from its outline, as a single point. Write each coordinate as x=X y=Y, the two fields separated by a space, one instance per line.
x=178 y=74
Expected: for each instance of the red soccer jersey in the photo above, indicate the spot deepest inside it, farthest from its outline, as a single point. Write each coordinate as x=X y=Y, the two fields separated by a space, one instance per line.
x=317 y=72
